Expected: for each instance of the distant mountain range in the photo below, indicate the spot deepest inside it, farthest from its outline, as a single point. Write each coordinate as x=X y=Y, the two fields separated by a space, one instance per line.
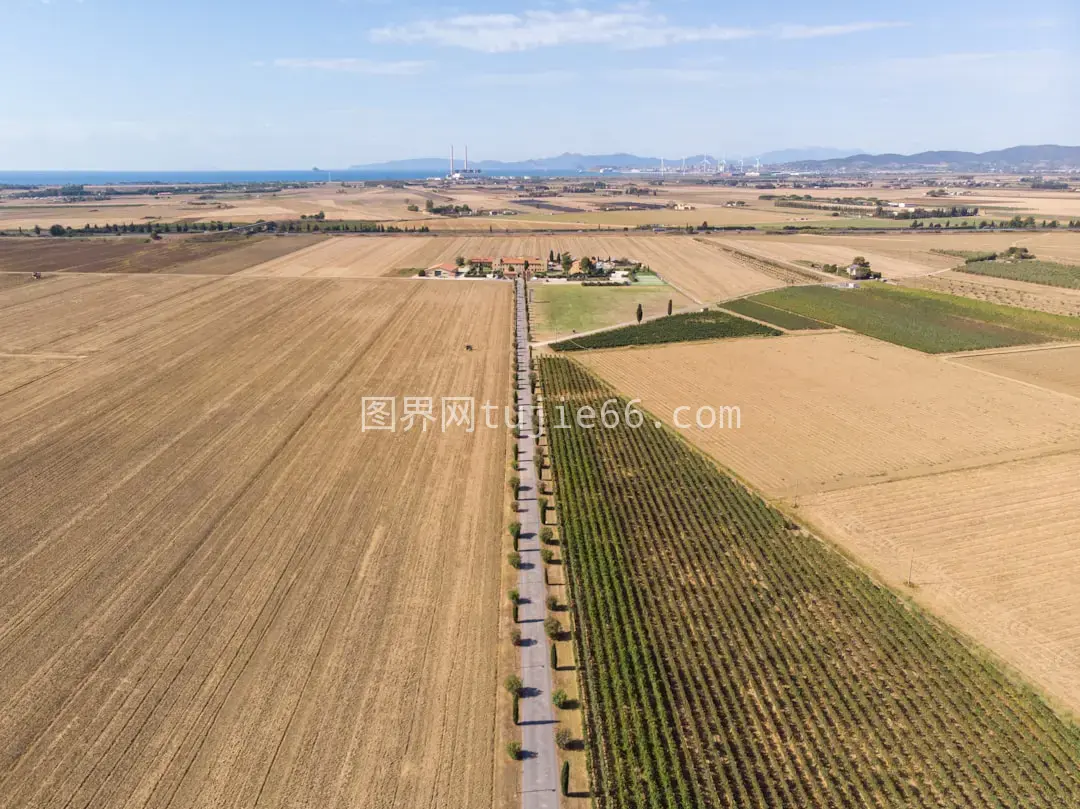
x=815 y=158
x=1016 y=158
x=573 y=162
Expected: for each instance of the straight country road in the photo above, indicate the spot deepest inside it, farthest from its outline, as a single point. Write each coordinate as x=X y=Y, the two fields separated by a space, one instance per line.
x=539 y=777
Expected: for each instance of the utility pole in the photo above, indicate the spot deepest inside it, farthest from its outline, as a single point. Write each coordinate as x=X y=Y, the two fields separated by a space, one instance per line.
x=911 y=565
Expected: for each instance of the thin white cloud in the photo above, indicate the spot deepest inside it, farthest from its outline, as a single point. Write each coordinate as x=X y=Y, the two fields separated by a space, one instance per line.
x=541 y=78
x=625 y=27
x=504 y=33
x=814 y=31
x=354 y=65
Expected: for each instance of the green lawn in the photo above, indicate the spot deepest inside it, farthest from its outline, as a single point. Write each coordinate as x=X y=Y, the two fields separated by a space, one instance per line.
x=707 y=325
x=558 y=310
x=927 y=321
x=1047 y=273
x=770 y=314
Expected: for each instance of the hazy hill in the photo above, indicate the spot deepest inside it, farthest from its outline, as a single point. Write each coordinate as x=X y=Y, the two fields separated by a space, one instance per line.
x=814 y=158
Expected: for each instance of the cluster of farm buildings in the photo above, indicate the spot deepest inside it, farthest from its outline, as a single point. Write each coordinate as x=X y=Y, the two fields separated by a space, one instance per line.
x=511 y=267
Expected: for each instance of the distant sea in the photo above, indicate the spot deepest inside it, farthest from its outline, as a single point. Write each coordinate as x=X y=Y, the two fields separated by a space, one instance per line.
x=253 y=176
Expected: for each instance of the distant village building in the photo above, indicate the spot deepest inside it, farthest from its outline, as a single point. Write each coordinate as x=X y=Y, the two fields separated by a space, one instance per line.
x=443 y=270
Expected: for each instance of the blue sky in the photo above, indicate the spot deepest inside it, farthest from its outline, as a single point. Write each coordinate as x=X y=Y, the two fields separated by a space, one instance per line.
x=126 y=84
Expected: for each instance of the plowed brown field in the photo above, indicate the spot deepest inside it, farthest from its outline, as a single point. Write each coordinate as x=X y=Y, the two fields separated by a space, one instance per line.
x=215 y=589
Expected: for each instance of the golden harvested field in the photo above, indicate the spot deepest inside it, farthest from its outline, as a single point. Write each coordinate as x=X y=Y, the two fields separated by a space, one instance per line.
x=491 y=224
x=350 y=257
x=17 y=370
x=716 y=216
x=215 y=588
x=991 y=549
x=699 y=270
x=1055 y=369
x=831 y=411
x=197 y=255
x=1041 y=204
x=893 y=260
x=1055 y=300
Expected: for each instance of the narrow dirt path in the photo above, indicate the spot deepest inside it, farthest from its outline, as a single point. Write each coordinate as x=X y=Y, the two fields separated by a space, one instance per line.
x=539 y=776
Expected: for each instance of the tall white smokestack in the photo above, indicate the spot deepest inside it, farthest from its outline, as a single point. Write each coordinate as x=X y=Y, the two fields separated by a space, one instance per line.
x=466 y=158
x=451 y=160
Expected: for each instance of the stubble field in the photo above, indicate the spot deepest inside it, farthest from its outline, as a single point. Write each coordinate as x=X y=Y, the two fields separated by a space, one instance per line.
x=832 y=410
x=890 y=258
x=1056 y=369
x=217 y=589
x=702 y=272
x=196 y=255
x=992 y=549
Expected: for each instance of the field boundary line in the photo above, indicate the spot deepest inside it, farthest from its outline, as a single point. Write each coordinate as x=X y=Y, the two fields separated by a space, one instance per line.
x=959 y=361
x=989 y=352
x=985 y=462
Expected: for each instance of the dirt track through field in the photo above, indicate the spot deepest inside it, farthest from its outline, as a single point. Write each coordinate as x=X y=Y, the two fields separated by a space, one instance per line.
x=217 y=590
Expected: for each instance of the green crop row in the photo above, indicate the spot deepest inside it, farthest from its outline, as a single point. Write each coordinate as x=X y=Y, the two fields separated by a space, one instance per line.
x=927 y=321
x=728 y=660
x=704 y=325
x=777 y=317
x=1047 y=273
